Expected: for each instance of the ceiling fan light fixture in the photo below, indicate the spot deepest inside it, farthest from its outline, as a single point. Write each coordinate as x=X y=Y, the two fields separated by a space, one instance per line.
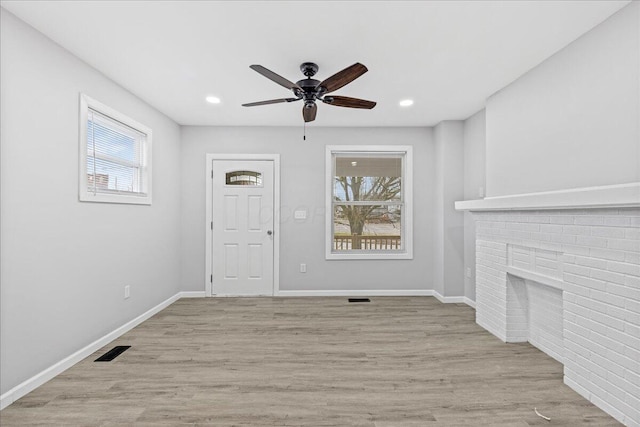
x=212 y=99
x=406 y=102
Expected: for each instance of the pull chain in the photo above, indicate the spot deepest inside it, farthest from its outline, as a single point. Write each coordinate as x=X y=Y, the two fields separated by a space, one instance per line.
x=304 y=132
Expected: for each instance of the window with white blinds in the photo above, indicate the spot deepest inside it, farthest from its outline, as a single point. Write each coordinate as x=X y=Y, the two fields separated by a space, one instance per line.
x=115 y=156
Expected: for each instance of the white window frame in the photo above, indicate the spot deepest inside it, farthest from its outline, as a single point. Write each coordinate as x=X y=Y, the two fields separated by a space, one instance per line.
x=85 y=195
x=407 y=190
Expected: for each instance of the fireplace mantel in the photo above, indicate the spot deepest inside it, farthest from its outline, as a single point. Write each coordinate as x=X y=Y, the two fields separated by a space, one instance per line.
x=609 y=196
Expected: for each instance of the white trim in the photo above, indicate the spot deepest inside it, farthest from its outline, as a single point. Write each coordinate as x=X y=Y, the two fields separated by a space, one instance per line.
x=84 y=195
x=448 y=300
x=193 y=294
x=407 y=189
x=358 y=292
x=535 y=277
x=39 y=379
x=210 y=157
x=606 y=196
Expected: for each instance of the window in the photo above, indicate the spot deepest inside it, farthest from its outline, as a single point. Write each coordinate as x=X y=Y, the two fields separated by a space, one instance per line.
x=115 y=156
x=253 y=179
x=369 y=196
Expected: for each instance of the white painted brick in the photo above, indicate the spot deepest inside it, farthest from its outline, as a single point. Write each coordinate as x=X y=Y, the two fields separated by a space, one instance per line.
x=624 y=361
x=632 y=281
x=609 y=298
x=608 y=276
x=591 y=262
x=608 y=254
x=613 y=232
x=623 y=267
x=577 y=269
x=572 y=290
x=633 y=330
x=576 y=250
x=632 y=377
x=632 y=257
x=632 y=305
x=623 y=290
x=606 y=365
x=561 y=219
x=616 y=221
x=589 y=220
x=595 y=242
x=631 y=233
x=624 y=244
x=577 y=229
x=551 y=228
x=585 y=281
x=596 y=252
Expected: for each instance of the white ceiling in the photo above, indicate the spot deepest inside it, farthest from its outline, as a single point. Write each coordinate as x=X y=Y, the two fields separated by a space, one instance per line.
x=449 y=56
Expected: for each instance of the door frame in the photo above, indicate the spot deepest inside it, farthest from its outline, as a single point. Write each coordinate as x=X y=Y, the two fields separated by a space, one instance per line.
x=210 y=157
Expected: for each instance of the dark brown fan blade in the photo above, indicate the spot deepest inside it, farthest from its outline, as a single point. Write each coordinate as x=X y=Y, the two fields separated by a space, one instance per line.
x=309 y=113
x=271 y=101
x=343 y=77
x=345 y=101
x=275 y=77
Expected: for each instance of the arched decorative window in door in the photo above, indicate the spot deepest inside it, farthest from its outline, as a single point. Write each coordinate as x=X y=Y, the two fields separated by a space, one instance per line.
x=248 y=178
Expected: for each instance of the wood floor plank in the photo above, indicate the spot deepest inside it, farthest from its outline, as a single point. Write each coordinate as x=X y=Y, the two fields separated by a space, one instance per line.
x=396 y=361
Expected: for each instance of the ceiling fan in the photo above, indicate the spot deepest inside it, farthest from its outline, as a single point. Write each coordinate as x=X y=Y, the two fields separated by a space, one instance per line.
x=310 y=90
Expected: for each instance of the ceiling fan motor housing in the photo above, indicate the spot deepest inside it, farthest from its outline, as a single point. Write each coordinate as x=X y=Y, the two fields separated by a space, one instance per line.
x=309 y=69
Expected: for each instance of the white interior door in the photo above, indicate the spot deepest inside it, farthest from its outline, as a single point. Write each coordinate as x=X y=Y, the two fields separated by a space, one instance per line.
x=243 y=218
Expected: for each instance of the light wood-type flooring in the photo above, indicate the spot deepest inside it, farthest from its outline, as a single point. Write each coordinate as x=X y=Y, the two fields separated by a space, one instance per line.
x=397 y=361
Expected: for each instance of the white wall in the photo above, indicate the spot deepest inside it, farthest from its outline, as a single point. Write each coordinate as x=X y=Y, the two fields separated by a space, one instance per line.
x=65 y=263
x=474 y=184
x=449 y=223
x=303 y=185
x=573 y=121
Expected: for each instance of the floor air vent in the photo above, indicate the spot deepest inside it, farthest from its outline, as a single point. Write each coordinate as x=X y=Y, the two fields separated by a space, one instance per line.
x=359 y=300
x=113 y=353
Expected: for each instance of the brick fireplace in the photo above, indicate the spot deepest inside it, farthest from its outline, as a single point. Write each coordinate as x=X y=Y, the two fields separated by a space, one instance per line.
x=568 y=282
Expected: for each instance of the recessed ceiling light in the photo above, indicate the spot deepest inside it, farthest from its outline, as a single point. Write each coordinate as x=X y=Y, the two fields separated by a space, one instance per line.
x=406 y=102
x=354 y=163
x=213 y=99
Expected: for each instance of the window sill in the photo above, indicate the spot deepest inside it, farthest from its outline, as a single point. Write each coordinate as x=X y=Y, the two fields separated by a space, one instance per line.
x=116 y=198
x=368 y=256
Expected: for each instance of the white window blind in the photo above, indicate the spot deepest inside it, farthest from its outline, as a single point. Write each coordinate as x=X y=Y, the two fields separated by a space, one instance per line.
x=115 y=156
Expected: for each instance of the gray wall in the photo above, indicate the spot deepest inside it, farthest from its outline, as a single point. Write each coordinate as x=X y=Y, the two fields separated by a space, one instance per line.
x=65 y=263
x=449 y=187
x=303 y=185
x=573 y=121
x=474 y=184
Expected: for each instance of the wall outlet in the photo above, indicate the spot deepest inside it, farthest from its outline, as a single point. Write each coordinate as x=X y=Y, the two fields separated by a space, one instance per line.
x=468 y=272
x=303 y=268
x=127 y=291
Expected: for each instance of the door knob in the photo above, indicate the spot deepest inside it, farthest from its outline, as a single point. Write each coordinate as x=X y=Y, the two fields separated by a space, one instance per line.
x=269 y=232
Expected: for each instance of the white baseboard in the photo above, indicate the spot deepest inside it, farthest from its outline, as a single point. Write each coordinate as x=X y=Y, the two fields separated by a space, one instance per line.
x=471 y=303
x=356 y=293
x=37 y=380
x=193 y=294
